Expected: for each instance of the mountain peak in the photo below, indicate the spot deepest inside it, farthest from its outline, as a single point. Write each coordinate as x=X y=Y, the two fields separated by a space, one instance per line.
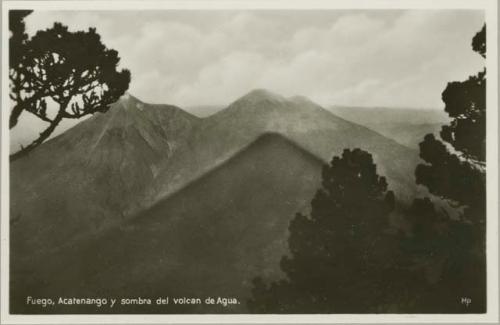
x=302 y=100
x=129 y=104
x=126 y=96
x=257 y=95
x=128 y=101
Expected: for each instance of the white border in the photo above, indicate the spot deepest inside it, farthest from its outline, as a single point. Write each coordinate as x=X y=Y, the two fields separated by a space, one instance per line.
x=248 y=4
x=490 y=7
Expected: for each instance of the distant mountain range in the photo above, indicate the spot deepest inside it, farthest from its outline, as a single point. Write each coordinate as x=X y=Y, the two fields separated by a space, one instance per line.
x=407 y=126
x=148 y=199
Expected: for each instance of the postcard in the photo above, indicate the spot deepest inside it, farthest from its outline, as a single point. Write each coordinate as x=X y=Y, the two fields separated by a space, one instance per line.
x=249 y=161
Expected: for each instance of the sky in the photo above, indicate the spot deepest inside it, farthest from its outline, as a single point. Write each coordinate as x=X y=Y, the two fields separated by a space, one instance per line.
x=369 y=58
x=204 y=60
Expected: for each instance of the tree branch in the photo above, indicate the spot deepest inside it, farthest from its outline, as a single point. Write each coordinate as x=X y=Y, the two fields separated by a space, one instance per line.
x=43 y=136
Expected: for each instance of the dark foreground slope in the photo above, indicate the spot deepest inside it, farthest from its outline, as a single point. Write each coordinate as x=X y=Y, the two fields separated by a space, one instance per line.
x=208 y=239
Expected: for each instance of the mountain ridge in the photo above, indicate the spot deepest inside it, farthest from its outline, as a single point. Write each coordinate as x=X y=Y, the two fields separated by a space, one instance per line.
x=116 y=169
x=405 y=126
x=263 y=137
x=95 y=171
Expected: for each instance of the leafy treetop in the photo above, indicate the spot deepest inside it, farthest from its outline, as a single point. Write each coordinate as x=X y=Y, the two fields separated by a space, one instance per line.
x=73 y=70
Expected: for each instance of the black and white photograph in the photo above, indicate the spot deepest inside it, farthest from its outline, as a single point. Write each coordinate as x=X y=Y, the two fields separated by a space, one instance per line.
x=220 y=159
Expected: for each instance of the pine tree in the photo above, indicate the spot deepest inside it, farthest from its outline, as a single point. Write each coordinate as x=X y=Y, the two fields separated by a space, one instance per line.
x=454 y=248
x=338 y=254
x=72 y=70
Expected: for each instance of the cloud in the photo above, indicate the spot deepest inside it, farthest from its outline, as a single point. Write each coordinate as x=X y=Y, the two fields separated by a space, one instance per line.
x=369 y=58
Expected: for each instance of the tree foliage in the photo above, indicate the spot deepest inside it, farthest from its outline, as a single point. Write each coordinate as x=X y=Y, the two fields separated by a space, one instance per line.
x=445 y=267
x=72 y=70
x=448 y=176
x=479 y=42
x=458 y=175
x=465 y=103
x=18 y=38
x=338 y=247
x=454 y=247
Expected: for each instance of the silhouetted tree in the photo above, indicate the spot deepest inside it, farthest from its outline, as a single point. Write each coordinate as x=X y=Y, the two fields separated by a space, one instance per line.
x=479 y=42
x=446 y=266
x=454 y=248
x=338 y=255
x=72 y=70
x=17 y=42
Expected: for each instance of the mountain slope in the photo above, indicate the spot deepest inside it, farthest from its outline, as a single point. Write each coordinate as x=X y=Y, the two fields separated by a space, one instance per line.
x=312 y=127
x=379 y=115
x=409 y=135
x=93 y=174
x=208 y=239
x=403 y=125
x=113 y=165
